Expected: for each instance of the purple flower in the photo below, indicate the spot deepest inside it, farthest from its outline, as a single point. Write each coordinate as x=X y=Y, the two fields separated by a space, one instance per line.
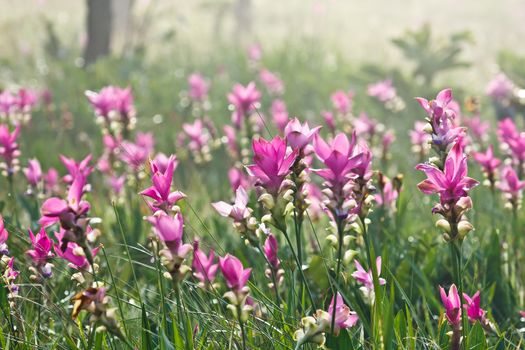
x=474 y=311
x=279 y=114
x=198 y=87
x=9 y=148
x=73 y=253
x=170 y=230
x=488 y=162
x=452 y=304
x=3 y=238
x=342 y=101
x=73 y=167
x=33 y=172
x=270 y=251
x=234 y=273
x=273 y=84
x=383 y=90
x=238 y=211
x=243 y=98
x=204 y=266
x=297 y=135
x=344 y=317
x=500 y=87
x=41 y=252
x=510 y=183
x=365 y=277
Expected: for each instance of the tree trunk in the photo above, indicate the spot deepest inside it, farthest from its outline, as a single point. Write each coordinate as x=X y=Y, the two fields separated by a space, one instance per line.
x=99 y=27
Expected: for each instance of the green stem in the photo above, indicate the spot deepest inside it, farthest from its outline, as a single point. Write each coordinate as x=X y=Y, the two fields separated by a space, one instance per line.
x=241 y=324
x=455 y=250
x=340 y=236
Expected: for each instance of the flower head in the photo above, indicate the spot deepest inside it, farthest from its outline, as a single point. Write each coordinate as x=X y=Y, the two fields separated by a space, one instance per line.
x=235 y=274
x=204 y=266
x=73 y=167
x=488 y=162
x=366 y=277
x=344 y=317
x=238 y=211
x=42 y=245
x=3 y=238
x=383 y=90
x=473 y=309
x=342 y=101
x=33 y=172
x=72 y=252
x=9 y=149
x=297 y=135
x=170 y=230
x=198 y=87
x=452 y=304
x=270 y=251
x=279 y=114
x=273 y=84
x=243 y=98
x=510 y=183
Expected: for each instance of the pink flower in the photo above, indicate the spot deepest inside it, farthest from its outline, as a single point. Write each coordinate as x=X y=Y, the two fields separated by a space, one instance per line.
x=112 y=98
x=507 y=130
x=134 y=154
x=510 y=183
x=26 y=100
x=273 y=84
x=418 y=136
x=197 y=134
x=41 y=252
x=388 y=139
x=344 y=317
x=342 y=101
x=243 y=98
x=204 y=268
x=234 y=273
x=161 y=162
x=438 y=108
x=488 y=162
x=365 y=125
x=297 y=135
x=270 y=251
x=7 y=103
x=365 y=277
x=3 y=238
x=238 y=211
x=452 y=183
x=33 y=172
x=452 y=304
x=73 y=253
x=272 y=163
x=338 y=157
x=160 y=191
x=10 y=275
x=51 y=181
x=329 y=120
x=67 y=212
x=474 y=312
x=500 y=87
x=170 y=230
x=73 y=167
x=388 y=196
x=383 y=90
x=117 y=183
x=255 y=52
x=9 y=147
x=198 y=87
x=477 y=127
x=237 y=179
x=279 y=114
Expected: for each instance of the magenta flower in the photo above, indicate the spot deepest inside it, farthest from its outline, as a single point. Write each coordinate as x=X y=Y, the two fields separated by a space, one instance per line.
x=72 y=252
x=488 y=162
x=297 y=135
x=388 y=195
x=342 y=101
x=197 y=134
x=279 y=114
x=7 y=103
x=112 y=98
x=33 y=172
x=365 y=125
x=10 y=275
x=238 y=211
x=500 y=87
x=160 y=191
x=365 y=277
x=418 y=136
x=3 y=238
x=338 y=158
x=237 y=179
x=270 y=251
x=474 y=312
x=67 y=212
x=272 y=163
x=329 y=120
x=452 y=304
x=255 y=52
x=234 y=273
x=273 y=84
x=477 y=127
x=134 y=155
x=9 y=148
x=383 y=90
x=439 y=108
x=198 y=87
x=510 y=183
x=243 y=98
x=161 y=162
x=117 y=183
x=26 y=99
x=41 y=252
x=204 y=268
x=51 y=181
x=73 y=167
x=452 y=182
x=170 y=230
x=507 y=130
x=344 y=317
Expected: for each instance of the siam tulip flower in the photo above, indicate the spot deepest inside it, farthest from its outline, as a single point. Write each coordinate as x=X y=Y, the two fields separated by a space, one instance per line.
x=472 y=307
x=198 y=87
x=134 y=155
x=342 y=101
x=452 y=305
x=234 y=273
x=103 y=102
x=25 y=100
x=33 y=172
x=204 y=268
x=9 y=150
x=238 y=211
x=72 y=252
x=365 y=277
x=365 y=126
x=344 y=317
x=511 y=186
x=338 y=157
x=161 y=162
x=273 y=84
x=160 y=191
x=255 y=52
x=329 y=120
x=439 y=108
x=170 y=230
x=420 y=139
x=73 y=167
x=198 y=135
x=9 y=276
x=452 y=182
x=488 y=162
x=477 y=127
x=7 y=103
x=67 y=212
x=244 y=99
x=272 y=163
x=279 y=114
x=315 y=198
x=51 y=181
x=270 y=251
x=383 y=90
x=297 y=135
x=388 y=194
x=41 y=252
x=117 y=183
x=230 y=137
x=3 y=238
x=507 y=130
x=500 y=87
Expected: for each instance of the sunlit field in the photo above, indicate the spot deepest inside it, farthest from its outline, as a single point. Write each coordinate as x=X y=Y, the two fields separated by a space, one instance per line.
x=242 y=175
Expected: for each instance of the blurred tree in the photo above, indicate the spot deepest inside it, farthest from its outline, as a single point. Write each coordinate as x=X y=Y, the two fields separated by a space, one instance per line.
x=99 y=27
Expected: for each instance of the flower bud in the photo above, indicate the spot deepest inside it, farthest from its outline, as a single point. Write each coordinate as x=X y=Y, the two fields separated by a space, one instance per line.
x=443 y=225
x=267 y=201
x=464 y=227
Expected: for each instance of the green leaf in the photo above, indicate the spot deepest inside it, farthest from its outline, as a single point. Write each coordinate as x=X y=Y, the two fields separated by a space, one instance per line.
x=476 y=339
